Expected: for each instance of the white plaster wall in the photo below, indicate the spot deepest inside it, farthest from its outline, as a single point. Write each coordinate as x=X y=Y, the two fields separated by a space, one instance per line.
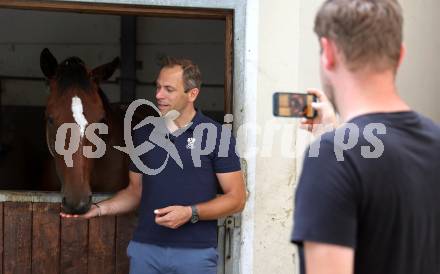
x=278 y=70
x=418 y=79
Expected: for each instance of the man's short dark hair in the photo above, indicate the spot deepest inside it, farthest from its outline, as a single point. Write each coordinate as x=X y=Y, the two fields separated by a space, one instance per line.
x=367 y=32
x=192 y=78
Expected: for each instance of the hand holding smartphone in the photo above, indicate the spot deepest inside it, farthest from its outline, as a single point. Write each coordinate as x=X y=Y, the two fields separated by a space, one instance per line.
x=296 y=105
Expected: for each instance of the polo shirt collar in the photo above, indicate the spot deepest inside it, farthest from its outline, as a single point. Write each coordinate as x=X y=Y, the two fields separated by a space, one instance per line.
x=197 y=119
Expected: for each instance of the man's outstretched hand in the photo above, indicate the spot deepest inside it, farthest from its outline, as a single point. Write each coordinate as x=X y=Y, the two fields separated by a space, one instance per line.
x=94 y=211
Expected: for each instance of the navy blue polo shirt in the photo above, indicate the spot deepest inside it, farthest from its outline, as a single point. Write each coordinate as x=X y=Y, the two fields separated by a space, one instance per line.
x=184 y=185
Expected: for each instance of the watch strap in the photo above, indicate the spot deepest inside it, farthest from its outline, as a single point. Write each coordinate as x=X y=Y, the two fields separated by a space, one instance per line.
x=194 y=214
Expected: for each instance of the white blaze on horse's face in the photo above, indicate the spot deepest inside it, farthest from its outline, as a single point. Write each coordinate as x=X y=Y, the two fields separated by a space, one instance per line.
x=78 y=115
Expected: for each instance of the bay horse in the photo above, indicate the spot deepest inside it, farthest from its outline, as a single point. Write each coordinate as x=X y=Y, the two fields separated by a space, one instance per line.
x=76 y=97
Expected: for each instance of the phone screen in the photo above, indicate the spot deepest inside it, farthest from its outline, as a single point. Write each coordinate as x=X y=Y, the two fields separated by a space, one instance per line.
x=297 y=105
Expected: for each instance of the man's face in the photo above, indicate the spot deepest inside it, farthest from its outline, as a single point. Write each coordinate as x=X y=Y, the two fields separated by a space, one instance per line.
x=170 y=91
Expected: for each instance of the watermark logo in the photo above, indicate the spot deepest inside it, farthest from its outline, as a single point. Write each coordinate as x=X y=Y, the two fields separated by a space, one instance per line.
x=159 y=136
x=205 y=139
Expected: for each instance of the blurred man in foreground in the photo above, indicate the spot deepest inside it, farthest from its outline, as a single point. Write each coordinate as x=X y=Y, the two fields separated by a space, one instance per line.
x=367 y=203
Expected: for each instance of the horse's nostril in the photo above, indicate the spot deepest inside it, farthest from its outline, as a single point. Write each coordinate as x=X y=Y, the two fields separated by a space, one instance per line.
x=80 y=207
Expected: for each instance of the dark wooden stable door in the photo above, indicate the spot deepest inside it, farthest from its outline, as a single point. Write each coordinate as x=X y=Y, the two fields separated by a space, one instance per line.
x=36 y=240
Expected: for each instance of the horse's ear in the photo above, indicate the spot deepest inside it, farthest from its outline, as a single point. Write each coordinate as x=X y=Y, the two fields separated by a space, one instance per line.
x=48 y=63
x=105 y=71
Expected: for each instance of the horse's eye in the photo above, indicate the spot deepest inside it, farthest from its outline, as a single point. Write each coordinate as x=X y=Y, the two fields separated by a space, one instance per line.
x=49 y=120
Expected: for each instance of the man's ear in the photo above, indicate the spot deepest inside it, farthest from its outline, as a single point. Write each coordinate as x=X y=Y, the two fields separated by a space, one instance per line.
x=402 y=55
x=328 y=54
x=192 y=94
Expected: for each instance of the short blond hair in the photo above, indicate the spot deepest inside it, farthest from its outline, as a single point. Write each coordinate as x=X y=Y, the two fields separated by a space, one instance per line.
x=367 y=32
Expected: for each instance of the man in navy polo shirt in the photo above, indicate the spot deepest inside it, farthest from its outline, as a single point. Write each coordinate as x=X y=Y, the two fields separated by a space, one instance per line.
x=178 y=202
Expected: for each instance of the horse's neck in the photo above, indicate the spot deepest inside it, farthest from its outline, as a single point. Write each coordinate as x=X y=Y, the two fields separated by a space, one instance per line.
x=114 y=121
x=112 y=168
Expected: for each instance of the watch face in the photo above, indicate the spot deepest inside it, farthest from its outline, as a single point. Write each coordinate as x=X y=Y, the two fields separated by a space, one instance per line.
x=194 y=219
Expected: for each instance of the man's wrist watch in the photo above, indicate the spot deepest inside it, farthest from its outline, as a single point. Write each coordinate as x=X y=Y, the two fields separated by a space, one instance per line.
x=194 y=214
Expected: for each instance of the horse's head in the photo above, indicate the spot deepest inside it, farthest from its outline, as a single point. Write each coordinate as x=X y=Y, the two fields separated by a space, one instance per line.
x=75 y=97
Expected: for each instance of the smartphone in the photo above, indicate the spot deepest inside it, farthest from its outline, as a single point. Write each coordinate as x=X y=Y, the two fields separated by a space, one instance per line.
x=297 y=105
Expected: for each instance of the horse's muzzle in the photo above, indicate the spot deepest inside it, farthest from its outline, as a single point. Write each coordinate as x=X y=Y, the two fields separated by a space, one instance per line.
x=80 y=207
